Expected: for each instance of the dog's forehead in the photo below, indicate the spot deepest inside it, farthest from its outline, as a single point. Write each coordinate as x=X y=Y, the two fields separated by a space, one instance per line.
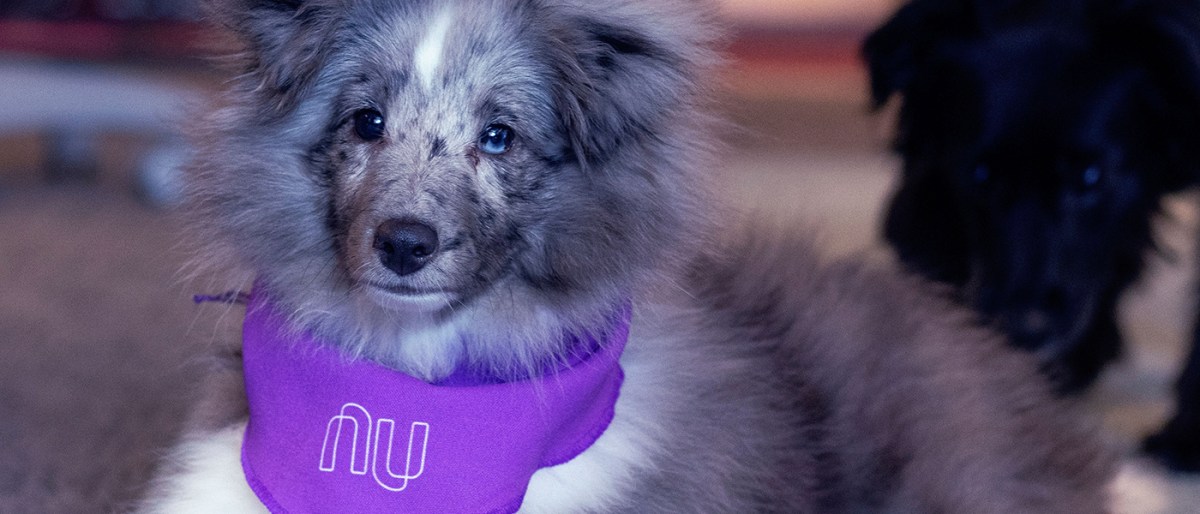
x=450 y=67
x=454 y=47
x=1033 y=85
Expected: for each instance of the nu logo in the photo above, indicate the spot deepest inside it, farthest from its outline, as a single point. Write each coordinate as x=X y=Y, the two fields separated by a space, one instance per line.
x=355 y=416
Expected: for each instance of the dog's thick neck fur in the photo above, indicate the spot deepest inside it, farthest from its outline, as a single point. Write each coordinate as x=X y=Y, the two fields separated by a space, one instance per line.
x=547 y=68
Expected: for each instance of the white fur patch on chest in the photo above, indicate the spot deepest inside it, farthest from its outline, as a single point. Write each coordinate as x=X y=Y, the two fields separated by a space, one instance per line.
x=596 y=477
x=607 y=472
x=431 y=51
x=212 y=479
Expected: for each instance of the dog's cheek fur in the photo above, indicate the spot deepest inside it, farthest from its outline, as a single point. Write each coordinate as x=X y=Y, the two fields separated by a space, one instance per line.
x=625 y=77
x=341 y=164
x=257 y=195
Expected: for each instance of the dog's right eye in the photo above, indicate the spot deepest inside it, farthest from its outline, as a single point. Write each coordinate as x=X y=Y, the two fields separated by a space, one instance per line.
x=369 y=124
x=1090 y=177
x=496 y=139
x=1086 y=183
x=981 y=175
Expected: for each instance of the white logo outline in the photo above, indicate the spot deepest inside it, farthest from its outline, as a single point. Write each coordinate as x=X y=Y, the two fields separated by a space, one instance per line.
x=354 y=413
x=340 y=418
x=387 y=466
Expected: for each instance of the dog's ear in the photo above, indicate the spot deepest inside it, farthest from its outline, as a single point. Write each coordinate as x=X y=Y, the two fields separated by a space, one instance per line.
x=896 y=50
x=1163 y=37
x=630 y=69
x=279 y=44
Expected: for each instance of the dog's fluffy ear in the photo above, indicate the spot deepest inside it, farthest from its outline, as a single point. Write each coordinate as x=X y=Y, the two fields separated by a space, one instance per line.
x=1163 y=37
x=896 y=50
x=632 y=68
x=280 y=44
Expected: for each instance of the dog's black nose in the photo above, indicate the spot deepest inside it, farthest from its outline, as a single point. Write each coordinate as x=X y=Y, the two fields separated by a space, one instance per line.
x=405 y=246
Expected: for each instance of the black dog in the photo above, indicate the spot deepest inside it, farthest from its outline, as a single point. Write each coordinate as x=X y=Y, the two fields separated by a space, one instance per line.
x=1039 y=138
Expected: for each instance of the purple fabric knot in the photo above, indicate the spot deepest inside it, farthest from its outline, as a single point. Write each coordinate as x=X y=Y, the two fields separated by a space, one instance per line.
x=228 y=297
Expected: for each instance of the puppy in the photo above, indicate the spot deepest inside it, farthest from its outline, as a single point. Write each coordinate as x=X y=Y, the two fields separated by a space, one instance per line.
x=1039 y=139
x=479 y=232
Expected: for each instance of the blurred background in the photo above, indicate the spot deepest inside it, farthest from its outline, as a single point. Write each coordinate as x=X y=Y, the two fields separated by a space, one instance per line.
x=100 y=344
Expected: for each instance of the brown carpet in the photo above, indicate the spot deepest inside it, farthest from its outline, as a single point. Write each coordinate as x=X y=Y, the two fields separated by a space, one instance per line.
x=96 y=349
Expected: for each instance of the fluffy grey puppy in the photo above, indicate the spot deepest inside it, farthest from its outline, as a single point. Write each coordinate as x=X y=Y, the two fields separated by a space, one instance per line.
x=405 y=177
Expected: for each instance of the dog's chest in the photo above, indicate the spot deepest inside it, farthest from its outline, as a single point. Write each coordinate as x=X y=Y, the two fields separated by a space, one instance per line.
x=599 y=477
x=593 y=479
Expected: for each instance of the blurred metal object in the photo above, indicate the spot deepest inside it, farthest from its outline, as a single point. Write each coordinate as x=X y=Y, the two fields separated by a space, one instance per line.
x=111 y=10
x=45 y=94
x=159 y=174
x=71 y=154
x=73 y=104
x=148 y=9
x=41 y=9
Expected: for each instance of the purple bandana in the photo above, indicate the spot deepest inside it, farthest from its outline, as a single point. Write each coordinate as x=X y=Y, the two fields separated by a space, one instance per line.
x=328 y=434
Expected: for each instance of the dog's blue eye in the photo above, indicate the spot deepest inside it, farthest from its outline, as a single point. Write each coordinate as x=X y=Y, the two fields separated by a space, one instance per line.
x=369 y=124
x=1091 y=177
x=496 y=139
x=982 y=174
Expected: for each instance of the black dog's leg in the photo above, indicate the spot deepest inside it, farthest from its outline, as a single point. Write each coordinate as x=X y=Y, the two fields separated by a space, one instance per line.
x=926 y=232
x=1079 y=366
x=1178 y=443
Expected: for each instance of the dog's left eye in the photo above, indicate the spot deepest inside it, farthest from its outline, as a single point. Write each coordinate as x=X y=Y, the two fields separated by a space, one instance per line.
x=369 y=124
x=1090 y=177
x=1084 y=181
x=981 y=175
x=496 y=139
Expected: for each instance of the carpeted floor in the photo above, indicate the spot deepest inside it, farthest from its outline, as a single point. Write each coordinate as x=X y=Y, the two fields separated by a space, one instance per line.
x=98 y=347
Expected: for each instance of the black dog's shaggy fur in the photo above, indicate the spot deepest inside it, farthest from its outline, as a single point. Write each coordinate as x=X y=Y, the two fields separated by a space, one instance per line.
x=1038 y=138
